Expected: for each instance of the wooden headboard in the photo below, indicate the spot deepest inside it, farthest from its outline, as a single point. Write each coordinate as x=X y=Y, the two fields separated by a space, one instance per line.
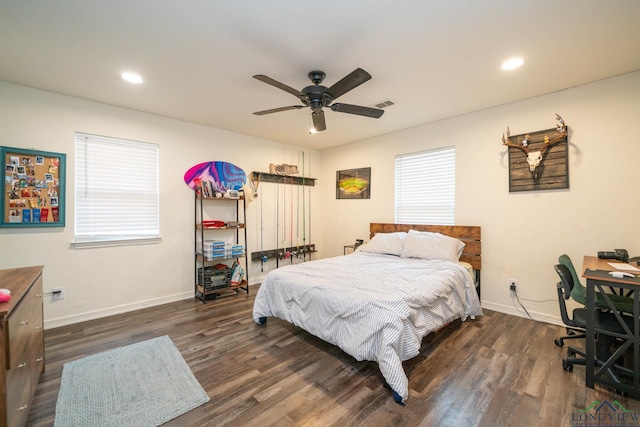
x=470 y=235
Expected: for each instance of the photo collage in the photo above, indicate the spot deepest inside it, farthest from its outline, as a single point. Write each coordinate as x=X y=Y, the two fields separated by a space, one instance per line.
x=32 y=184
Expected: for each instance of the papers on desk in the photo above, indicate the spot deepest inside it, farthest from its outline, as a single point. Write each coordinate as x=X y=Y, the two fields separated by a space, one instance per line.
x=623 y=266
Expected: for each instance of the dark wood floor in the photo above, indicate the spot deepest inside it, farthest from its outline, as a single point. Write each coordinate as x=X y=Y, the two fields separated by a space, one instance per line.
x=497 y=370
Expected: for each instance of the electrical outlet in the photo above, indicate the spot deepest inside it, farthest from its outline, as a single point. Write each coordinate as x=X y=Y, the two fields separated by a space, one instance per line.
x=57 y=294
x=513 y=283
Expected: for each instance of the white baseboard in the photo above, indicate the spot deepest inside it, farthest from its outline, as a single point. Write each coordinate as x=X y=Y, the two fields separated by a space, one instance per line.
x=506 y=309
x=125 y=308
x=110 y=311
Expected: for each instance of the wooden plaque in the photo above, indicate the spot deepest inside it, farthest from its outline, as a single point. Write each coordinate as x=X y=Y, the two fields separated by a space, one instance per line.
x=553 y=171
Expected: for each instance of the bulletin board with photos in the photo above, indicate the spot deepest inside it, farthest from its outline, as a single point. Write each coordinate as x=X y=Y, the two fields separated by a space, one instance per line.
x=34 y=188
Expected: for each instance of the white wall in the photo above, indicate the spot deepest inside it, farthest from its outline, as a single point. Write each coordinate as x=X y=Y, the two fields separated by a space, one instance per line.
x=522 y=233
x=105 y=281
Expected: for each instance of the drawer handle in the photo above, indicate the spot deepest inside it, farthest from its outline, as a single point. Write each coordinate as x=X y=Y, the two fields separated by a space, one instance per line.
x=22 y=408
x=39 y=359
x=38 y=328
x=22 y=365
x=24 y=322
x=39 y=296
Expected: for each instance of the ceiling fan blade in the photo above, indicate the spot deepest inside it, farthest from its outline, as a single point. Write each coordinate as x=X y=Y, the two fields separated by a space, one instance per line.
x=350 y=81
x=318 y=121
x=357 y=109
x=270 y=81
x=277 y=110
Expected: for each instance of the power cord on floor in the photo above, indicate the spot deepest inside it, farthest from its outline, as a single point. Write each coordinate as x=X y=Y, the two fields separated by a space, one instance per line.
x=515 y=292
x=536 y=300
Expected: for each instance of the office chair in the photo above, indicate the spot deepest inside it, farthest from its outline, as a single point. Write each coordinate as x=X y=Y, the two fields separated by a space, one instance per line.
x=579 y=293
x=578 y=323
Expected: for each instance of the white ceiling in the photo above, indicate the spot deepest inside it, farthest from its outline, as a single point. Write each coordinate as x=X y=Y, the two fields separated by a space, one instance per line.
x=435 y=59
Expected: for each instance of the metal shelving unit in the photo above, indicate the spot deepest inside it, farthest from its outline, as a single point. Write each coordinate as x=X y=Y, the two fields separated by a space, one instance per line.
x=213 y=272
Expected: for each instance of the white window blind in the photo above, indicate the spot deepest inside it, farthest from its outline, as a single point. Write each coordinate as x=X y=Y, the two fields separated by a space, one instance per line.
x=116 y=190
x=426 y=187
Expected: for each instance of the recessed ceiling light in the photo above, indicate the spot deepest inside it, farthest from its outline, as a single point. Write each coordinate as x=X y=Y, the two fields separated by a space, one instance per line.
x=131 y=77
x=512 y=63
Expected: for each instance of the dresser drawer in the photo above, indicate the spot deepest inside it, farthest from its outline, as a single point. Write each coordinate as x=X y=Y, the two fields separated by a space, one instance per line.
x=18 y=395
x=24 y=325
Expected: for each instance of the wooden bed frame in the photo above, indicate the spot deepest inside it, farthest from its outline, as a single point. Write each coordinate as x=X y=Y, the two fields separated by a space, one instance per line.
x=470 y=235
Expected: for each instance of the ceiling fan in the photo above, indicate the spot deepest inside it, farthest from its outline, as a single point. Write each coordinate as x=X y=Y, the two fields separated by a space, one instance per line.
x=317 y=96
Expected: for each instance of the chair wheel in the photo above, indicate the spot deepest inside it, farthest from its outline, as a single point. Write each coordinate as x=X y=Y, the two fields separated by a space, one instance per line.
x=567 y=366
x=571 y=353
x=558 y=342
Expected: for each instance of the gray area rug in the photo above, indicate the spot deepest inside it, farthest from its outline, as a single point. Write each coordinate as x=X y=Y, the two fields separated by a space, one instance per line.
x=141 y=385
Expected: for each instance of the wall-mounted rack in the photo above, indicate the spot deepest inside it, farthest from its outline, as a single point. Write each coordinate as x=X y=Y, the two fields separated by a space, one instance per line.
x=281 y=252
x=282 y=179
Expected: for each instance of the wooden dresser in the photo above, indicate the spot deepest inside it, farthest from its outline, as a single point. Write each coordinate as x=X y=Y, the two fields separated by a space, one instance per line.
x=21 y=343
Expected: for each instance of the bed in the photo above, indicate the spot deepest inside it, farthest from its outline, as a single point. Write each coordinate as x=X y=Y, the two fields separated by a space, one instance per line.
x=378 y=303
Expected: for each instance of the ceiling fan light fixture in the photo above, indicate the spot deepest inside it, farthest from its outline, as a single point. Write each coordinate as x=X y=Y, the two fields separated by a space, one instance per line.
x=312 y=127
x=131 y=77
x=316 y=97
x=511 y=64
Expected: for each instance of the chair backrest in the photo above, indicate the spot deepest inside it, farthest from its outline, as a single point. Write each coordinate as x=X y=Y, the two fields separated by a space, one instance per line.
x=578 y=292
x=566 y=281
x=564 y=287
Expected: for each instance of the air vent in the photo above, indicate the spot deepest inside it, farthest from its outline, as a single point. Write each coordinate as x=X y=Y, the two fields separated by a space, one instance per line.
x=384 y=104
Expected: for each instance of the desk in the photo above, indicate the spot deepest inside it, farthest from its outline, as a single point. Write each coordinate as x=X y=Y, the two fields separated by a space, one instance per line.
x=595 y=271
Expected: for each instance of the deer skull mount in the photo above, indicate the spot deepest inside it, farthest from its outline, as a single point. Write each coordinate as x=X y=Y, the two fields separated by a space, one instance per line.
x=534 y=157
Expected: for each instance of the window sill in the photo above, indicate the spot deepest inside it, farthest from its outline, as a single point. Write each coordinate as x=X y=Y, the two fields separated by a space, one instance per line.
x=89 y=244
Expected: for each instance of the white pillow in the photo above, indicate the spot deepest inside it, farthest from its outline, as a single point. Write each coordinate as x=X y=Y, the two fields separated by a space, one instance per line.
x=385 y=243
x=430 y=246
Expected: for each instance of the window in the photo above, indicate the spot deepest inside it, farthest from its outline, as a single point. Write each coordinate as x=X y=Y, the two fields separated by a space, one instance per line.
x=116 y=191
x=426 y=187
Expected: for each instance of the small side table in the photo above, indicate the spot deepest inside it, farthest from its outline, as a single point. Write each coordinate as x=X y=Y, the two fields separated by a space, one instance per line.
x=352 y=247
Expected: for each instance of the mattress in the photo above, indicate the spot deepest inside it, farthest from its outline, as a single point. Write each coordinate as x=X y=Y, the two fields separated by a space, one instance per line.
x=374 y=307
